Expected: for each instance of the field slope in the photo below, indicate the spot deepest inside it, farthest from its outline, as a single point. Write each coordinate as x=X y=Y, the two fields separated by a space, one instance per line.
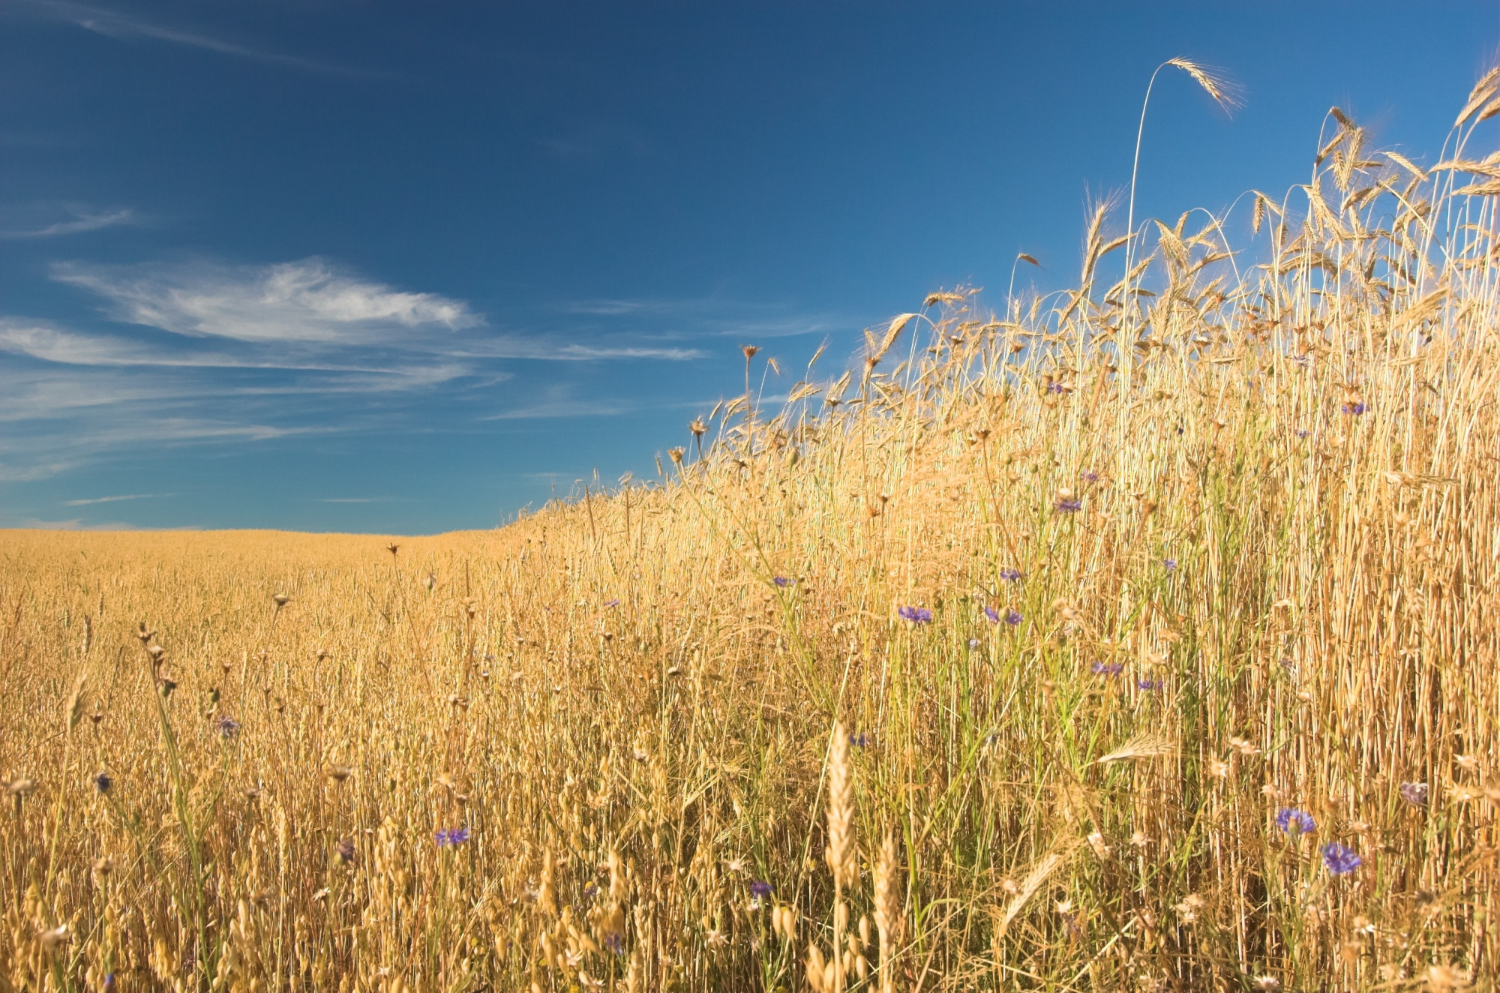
x=1140 y=637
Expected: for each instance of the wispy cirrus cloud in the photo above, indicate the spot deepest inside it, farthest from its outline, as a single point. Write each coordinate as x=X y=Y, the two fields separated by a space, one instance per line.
x=113 y=499
x=82 y=221
x=709 y=315
x=304 y=301
x=123 y=26
x=203 y=353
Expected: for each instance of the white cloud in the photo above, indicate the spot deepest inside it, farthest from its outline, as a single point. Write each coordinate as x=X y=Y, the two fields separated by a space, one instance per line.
x=222 y=356
x=110 y=499
x=305 y=301
x=122 y=27
x=82 y=221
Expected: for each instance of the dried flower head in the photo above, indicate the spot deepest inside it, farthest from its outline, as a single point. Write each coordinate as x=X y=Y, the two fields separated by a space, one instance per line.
x=1415 y=794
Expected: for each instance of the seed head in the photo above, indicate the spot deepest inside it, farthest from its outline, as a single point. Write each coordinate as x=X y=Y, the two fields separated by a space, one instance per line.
x=1415 y=794
x=51 y=939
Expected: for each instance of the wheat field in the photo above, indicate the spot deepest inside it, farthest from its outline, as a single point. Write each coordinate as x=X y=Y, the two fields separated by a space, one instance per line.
x=1140 y=637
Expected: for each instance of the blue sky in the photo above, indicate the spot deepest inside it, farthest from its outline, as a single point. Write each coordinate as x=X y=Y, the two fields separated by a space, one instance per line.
x=409 y=267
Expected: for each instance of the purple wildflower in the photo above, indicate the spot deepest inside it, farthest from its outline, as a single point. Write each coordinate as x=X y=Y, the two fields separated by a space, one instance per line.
x=1354 y=409
x=1295 y=822
x=1011 y=575
x=228 y=728
x=1072 y=506
x=861 y=740
x=452 y=836
x=1149 y=685
x=109 y=983
x=782 y=582
x=992 y=614
x=590 y=891
x=1089 y=476
x=760 y=889
x=611 y=603
x=1340 y=860
x=1055 y=387
x=917 y=615
x=103 y=783
x=1012 y=617
x=1303 y=432
x=1415 y=794
x=1108 y=668
x=1169 y=564
x=615 y=942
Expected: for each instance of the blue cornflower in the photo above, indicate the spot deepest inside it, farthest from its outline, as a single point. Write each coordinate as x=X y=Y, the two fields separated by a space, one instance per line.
x=103 y=783
x=109 y=983
x=1089 y=476
x=1149 y=685
x=452 y=836
x=1354 y=409
x=861 y=740
x=782 y=582
x=1295 y=822
x=760 y=889
x=1339 y=859
x=1108 y=668
x=1170 y=564
x=1303 y=432
x=590 y=891
x=1011 y=575
x=1012 y=617
x=227 y=727
x=917 y=615
x=1055 y=387
x=992 y=614
x=1072 y=506
x=615 y=942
